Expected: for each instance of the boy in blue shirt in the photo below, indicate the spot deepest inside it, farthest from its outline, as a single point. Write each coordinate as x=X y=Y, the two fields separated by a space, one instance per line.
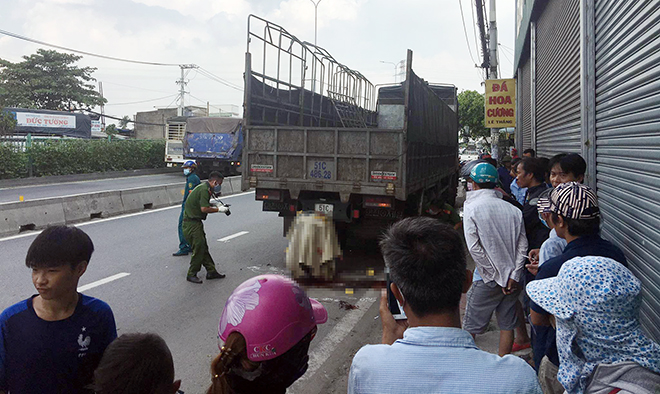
x=53 y=341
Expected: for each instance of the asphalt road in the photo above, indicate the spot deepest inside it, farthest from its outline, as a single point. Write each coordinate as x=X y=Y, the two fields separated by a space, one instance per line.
x=12 y=194
x=155 y=297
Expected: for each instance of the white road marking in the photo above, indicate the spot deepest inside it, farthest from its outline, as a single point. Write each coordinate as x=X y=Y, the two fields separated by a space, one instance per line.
x=102 y=281
x=321 y=354
x=238 y=234
x=35 y=233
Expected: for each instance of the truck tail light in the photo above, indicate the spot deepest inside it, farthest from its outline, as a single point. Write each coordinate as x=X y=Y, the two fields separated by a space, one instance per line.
x=356 y=214
x=378 y=202
x=265 y=194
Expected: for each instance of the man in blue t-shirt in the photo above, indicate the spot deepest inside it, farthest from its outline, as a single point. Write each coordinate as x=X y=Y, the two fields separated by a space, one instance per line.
x=575 y=215
x=53 y=341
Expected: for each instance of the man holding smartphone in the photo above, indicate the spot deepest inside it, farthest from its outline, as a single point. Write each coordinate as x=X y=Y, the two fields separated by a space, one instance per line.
x=429 y=352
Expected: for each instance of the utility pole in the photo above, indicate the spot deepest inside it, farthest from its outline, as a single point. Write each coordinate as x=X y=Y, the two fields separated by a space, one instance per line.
x=482 y=34
x=102 y=107
x=492 y=42
x=182 y=86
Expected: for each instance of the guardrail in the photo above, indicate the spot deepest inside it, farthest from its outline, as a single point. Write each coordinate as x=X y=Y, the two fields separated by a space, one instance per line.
x=17 y=217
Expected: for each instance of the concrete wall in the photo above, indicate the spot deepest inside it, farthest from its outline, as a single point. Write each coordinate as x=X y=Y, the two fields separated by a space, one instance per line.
x=16 y=217
x=160 y=117
x=152 y=132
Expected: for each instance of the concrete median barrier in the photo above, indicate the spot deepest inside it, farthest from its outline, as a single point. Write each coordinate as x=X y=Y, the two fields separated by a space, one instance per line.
x=16 y=217
x=235 y=184
x=138 y=199
x=92 y=206
x=174 y=193
x=29 y=215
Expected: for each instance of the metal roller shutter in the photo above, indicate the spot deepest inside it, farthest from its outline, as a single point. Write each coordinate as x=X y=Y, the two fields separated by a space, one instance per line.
x=526 y=94
x=558 y=79
x=628 y=139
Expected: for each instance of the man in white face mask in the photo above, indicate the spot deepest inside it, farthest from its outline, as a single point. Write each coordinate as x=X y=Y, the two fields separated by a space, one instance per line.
x=192 y=180
x=197 y=208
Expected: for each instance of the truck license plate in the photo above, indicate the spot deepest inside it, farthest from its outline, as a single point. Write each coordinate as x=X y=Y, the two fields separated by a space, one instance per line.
x=324 y=208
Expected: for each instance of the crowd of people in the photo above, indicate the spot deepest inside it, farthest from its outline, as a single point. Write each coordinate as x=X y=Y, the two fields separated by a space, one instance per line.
x=539 y=261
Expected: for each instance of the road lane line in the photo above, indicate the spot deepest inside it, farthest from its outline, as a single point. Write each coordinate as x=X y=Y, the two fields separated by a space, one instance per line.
x=35 y=233
x=238 y=234
x=321 y=354
x=102 y=281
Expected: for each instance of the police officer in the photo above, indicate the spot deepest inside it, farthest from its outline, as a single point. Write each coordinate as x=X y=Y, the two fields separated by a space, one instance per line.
x=192 y=180
x=196 y=208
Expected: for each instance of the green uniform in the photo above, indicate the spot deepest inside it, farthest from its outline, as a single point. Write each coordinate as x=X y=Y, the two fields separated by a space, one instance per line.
x=446 y=214
x=192 y=180
x=193 y=229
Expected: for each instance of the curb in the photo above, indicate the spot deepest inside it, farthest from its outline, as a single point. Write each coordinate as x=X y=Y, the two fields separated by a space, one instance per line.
x=16 y=217
x=45 y=180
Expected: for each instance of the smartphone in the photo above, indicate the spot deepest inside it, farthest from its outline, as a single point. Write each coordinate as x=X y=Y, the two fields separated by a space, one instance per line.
x=392 y=303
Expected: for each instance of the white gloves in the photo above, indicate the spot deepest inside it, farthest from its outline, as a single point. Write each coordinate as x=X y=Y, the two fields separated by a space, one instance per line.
x=223 y=208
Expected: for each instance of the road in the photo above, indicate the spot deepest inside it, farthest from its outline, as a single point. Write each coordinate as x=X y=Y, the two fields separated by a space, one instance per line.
x=150 y=293
x=12 y=194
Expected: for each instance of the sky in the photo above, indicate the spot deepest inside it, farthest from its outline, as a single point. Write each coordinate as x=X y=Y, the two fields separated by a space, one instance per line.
x=360 y=34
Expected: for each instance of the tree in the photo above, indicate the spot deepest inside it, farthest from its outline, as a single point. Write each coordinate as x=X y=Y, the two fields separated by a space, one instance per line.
x=124 y=122
x=111 y=129
x=471 y=114
x=7 y=122
x=48 y=80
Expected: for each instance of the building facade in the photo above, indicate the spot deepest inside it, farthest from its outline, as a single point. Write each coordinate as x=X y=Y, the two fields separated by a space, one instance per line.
x=152 y=125
x=588 y=80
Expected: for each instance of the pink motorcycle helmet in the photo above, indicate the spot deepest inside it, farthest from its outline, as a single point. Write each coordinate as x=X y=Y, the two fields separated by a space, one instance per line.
x=272 y=313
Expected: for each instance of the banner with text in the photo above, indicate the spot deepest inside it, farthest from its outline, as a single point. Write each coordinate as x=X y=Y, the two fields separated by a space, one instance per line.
x=500 y=103
x=28 y=119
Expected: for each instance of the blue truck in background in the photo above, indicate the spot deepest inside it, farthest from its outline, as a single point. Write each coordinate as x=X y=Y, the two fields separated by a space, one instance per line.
x=215 y=143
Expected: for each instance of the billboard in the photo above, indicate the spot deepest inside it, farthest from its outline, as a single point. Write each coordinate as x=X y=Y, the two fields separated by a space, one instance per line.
x=500 y=103
x=30 y=119
x=97 y=127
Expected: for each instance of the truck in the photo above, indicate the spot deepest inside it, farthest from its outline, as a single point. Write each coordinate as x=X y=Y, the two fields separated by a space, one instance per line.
x=175 y=130
x=215 y=143
x=316 y=139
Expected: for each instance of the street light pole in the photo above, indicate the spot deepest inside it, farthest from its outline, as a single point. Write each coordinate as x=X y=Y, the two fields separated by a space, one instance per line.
x=394 y=64
x=316 y=8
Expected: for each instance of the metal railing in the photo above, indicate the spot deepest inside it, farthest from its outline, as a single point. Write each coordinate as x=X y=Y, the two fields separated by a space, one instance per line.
x=292 y=82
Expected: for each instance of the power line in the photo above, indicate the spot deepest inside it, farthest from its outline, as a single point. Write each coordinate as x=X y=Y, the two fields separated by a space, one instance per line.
x=504 y=46
x=133 y=87
x=118 y=118
x=216 y=78
x=202 y=101
x=20 y=37
x=460 y=5
x=144 y=101
x=474 y=29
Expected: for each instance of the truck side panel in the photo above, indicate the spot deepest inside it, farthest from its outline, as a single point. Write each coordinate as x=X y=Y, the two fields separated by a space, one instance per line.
x=324 y=159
